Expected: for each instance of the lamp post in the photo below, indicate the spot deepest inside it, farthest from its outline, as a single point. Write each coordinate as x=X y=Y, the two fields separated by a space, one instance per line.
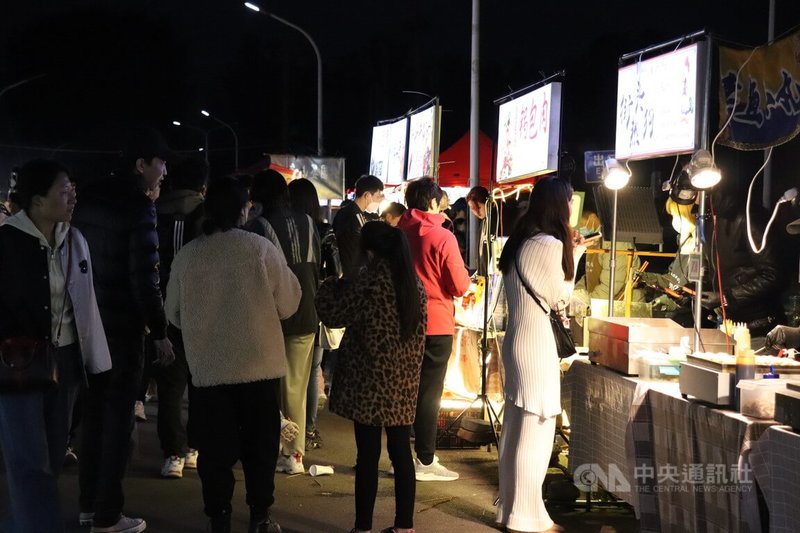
x=235 y=137
x=201 y=130
x=305 y=34
x=615 y=177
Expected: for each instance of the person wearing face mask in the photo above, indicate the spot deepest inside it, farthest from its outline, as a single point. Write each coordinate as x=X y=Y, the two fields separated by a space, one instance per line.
x=670 y=298
x=348 y=222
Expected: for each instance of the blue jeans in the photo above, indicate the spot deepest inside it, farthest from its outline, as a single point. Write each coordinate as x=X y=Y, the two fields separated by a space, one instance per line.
x=33 y=435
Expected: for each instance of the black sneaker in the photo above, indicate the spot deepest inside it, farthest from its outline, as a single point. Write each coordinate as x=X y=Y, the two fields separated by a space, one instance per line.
x=313 y=440
x=266 y=525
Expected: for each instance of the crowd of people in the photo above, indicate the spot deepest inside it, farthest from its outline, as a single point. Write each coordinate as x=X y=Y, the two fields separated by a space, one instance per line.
x=192 y=286
x=237 y=289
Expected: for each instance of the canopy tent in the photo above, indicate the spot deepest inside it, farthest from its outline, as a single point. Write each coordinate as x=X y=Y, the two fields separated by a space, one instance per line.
x=454 y=162
x=266 y=163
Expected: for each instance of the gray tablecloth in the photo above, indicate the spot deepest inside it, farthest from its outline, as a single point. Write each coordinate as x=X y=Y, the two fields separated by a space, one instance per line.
x=686 y=464
x=775 y=458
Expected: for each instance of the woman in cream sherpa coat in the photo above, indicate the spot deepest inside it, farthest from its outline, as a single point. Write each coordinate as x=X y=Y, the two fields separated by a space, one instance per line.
x=227 y=292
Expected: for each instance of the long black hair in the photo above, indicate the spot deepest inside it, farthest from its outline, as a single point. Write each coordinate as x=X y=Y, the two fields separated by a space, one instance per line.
x=548 y=212
x=389 y=243
x=304 y=198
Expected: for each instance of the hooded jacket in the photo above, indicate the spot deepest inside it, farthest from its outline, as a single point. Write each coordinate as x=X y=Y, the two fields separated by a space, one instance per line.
x=32 y=302
x=439 y=266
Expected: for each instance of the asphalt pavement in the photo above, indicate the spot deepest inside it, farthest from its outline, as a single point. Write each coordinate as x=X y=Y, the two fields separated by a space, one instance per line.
x=306 y=504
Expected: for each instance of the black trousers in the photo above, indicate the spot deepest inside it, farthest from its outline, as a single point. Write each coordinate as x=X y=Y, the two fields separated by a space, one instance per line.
x=106 y=429
x=431 y=384
x=232 y=423
x=398 y=443
x=172 y=380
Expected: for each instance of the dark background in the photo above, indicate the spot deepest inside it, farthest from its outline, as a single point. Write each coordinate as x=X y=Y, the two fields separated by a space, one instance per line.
x=109 y=63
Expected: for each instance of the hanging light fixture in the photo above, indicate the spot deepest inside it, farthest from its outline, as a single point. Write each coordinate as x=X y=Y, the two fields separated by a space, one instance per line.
x=703 y=173
x=615 y=176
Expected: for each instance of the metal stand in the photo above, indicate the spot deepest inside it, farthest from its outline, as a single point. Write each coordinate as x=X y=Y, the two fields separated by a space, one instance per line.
x=486 y=407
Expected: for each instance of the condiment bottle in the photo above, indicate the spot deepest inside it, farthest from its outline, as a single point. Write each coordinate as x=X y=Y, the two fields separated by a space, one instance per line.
x=745 y=369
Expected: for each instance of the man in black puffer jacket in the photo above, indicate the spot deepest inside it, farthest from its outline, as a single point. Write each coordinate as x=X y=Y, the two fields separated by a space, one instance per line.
x=119 y=222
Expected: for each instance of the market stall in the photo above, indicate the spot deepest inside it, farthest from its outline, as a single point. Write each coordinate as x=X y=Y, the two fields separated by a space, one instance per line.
x=682 y=465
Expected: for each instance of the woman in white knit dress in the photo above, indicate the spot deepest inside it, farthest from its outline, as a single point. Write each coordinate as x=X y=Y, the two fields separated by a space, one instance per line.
x=542 y=250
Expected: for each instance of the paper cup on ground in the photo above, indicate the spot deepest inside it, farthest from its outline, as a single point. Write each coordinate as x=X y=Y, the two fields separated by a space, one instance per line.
x=320 y=470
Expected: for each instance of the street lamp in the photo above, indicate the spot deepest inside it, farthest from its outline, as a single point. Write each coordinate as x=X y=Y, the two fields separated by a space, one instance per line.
x=257 y=9
x=235 y=137
x=204 y=149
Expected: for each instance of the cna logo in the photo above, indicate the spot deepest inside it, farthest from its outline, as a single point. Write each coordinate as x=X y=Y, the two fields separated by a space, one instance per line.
x=588 y=477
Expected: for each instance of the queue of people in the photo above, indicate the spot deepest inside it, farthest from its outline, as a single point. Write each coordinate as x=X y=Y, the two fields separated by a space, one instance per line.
x=218 y=338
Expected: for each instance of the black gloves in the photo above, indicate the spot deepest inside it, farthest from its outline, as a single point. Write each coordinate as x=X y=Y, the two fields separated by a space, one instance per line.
x=783 y=337
x=709 y=299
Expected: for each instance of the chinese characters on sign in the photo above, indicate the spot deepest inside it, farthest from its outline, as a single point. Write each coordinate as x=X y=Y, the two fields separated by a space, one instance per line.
x=657 y=105
x=528 y=134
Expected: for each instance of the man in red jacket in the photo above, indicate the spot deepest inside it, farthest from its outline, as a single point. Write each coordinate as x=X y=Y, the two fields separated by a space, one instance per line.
x=440 y=267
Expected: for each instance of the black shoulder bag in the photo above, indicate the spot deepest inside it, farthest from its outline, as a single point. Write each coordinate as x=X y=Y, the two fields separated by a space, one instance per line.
x=565 y=346
x=29 y=363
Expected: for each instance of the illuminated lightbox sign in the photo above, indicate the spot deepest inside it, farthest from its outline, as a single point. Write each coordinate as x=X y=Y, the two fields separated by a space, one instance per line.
x=423 y=143
x=388 y=153
x=528 y=134
x=660 y=104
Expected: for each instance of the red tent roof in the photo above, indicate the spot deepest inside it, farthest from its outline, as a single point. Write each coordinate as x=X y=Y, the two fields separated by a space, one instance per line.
x=454 y=162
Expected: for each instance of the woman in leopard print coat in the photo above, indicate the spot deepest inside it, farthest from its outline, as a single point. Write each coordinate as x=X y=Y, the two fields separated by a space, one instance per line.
x=378 y=367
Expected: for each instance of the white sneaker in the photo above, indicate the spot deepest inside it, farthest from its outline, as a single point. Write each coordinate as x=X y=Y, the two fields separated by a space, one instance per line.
x=138 y=411
x=85 y=519
x=291 y=464
x=173 y=467
x=190 y=459
x=289 y=430
x=434 y=471
x=125 y=525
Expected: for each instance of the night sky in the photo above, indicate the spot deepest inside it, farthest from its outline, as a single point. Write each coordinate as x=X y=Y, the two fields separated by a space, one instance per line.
x=107 y=64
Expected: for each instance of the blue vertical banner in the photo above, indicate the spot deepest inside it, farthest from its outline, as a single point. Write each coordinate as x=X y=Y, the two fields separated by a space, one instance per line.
x=593 y=164
x=766 y=93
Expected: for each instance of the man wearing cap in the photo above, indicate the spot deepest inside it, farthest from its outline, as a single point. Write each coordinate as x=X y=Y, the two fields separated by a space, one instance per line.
x=118 y=220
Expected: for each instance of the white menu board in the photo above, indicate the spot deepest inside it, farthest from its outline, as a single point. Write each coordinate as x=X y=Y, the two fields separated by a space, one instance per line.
x=379 y=154
x=659 y=104
x=422 y=143
x=528 y=134
x=388 y=154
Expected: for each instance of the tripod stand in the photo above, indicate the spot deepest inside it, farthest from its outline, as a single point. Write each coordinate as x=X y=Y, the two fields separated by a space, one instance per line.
x=486 y=410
